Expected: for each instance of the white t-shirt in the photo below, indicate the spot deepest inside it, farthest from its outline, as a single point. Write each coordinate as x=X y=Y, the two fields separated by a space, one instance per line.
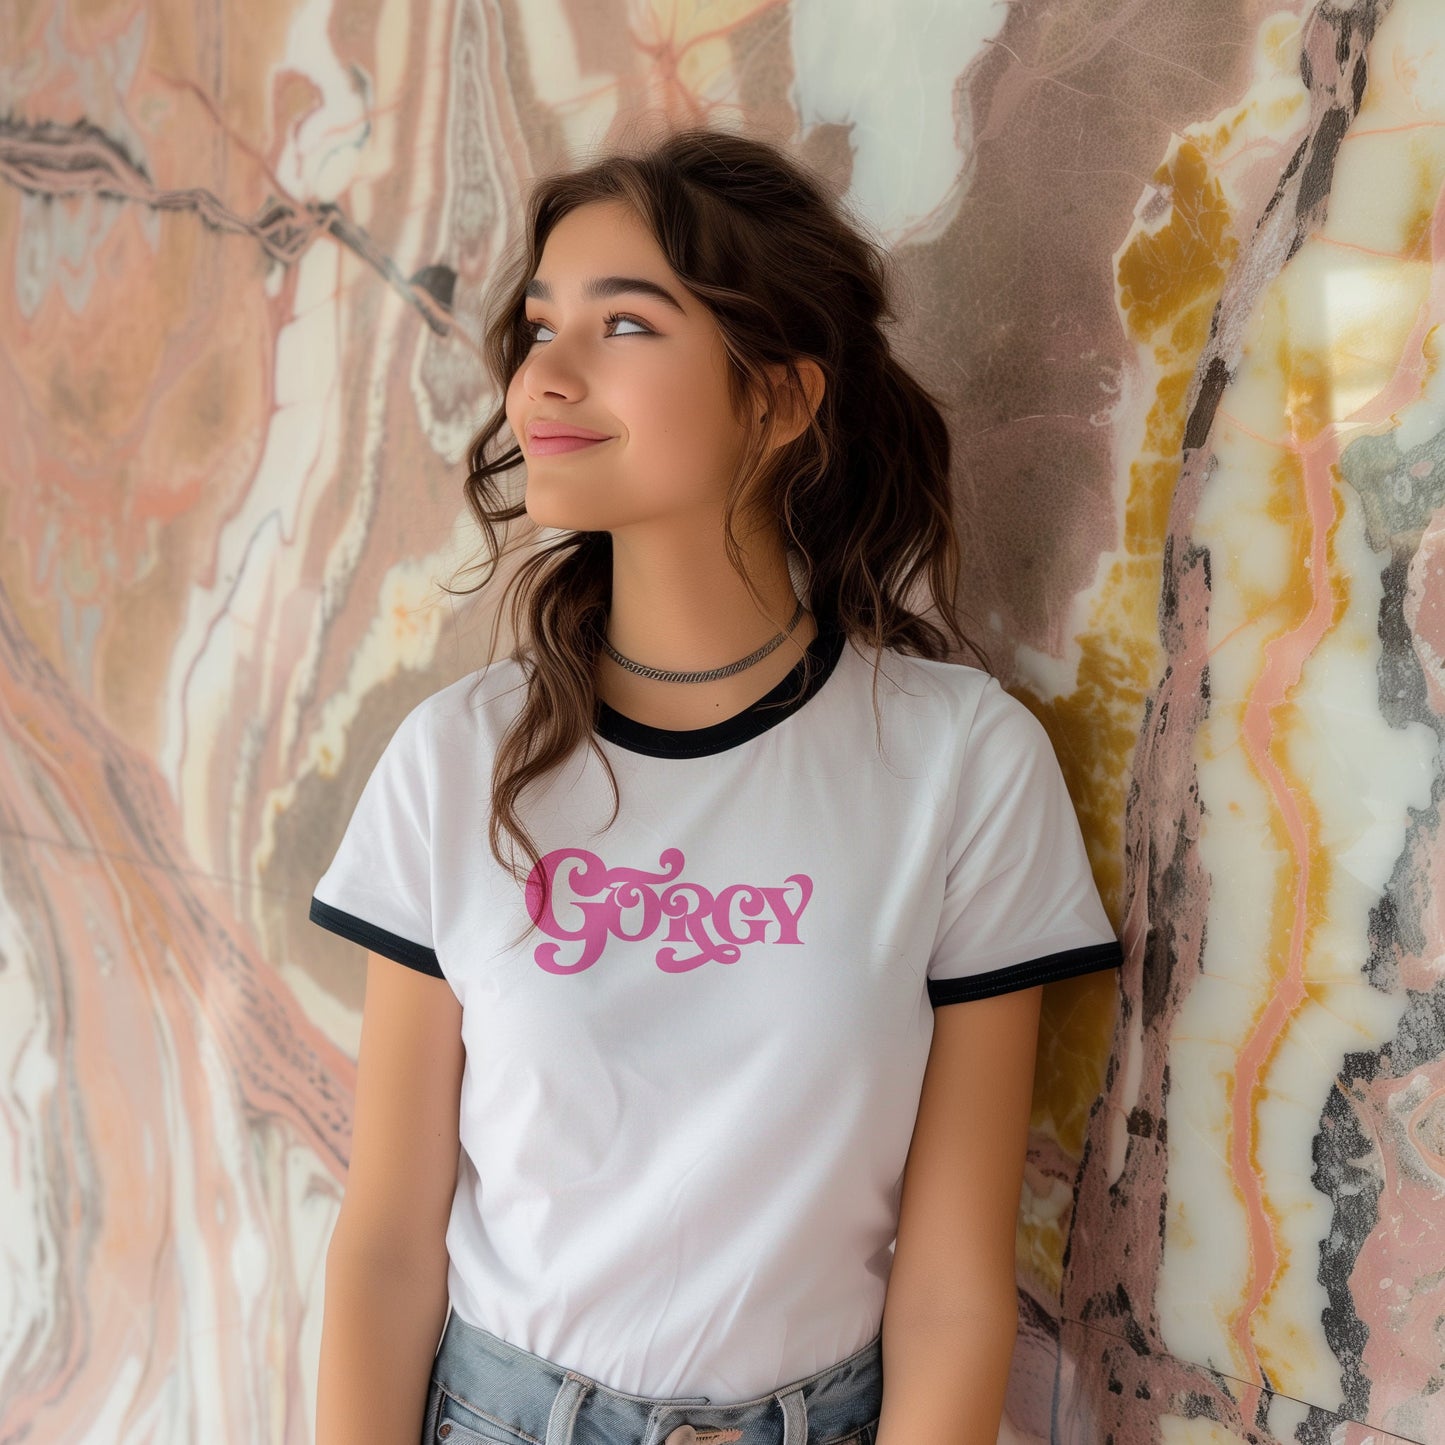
x=688 y=1096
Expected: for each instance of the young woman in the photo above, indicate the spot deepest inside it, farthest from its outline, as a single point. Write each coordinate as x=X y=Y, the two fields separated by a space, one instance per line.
x=722 y=905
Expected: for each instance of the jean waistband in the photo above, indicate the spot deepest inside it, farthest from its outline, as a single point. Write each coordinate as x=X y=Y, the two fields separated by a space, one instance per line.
x=487 y=1390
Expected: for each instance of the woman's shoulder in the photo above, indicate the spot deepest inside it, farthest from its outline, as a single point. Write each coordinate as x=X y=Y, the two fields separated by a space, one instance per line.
x=991 y=741
x=476 y=706
x=934 y=681
x=964 y=703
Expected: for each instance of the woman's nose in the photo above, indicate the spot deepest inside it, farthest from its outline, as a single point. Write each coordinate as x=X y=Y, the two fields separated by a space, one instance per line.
x=551 y=370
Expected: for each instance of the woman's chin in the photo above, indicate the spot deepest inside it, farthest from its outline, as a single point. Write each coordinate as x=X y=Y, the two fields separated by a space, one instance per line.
x=548 y=513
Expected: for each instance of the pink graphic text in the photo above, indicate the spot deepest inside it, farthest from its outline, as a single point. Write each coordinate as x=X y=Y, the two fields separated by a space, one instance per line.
x=589 y=903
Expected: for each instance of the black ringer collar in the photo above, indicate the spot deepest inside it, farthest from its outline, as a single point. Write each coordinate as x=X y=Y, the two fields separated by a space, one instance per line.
x=783 y=701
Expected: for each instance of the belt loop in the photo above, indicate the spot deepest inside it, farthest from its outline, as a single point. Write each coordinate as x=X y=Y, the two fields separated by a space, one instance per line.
x=563 y=1415
x=795 y=1418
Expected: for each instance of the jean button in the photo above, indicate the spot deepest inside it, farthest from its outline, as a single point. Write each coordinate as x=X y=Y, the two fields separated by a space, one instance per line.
x=444 y=1431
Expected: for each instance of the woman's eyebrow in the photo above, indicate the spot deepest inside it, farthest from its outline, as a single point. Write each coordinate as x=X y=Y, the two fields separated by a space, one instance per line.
x=601 y=287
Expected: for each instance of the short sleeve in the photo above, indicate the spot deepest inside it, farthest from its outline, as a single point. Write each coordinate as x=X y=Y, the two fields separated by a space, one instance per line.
x=1020 y=906
x=377 y=891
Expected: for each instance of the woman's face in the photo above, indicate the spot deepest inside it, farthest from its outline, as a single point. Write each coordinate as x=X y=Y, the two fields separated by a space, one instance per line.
x=617 y=360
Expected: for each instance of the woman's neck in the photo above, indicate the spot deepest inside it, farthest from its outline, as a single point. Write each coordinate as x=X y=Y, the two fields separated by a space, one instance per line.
x=679 y=605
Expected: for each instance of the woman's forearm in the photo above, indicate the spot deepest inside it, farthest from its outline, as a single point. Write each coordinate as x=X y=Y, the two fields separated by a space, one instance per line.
x=944 y=1379
x=384 y=1313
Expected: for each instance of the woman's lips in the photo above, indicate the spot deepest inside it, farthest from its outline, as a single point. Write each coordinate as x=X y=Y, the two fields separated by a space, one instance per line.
x=549 y=446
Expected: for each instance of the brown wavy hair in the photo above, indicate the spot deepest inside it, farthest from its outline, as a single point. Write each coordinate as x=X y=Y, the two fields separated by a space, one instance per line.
x=861 y=496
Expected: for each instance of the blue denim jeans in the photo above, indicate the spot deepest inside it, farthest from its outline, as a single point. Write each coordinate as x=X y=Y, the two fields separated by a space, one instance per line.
x=485 y=1391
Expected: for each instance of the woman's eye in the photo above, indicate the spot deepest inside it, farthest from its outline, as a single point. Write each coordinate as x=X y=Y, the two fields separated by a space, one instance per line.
x=533 y=329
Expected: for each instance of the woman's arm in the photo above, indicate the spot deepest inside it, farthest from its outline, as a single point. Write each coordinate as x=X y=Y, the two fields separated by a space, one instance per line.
x=386 y=1268
x=951 y=1313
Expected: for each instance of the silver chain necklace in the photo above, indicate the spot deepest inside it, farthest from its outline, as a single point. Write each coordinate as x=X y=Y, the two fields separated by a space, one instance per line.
x=712 y=675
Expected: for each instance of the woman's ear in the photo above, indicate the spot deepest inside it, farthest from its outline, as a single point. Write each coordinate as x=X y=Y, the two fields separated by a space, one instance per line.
x=792 y=410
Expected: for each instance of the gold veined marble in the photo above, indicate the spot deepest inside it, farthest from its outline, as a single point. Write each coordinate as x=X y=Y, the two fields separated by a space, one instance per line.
x=1169 y=273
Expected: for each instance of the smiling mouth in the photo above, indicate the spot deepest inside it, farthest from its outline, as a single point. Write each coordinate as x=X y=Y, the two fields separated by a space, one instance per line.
x=551 y=446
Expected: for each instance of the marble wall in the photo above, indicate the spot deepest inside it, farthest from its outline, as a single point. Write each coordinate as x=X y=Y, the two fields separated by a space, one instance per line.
x=1179 y=270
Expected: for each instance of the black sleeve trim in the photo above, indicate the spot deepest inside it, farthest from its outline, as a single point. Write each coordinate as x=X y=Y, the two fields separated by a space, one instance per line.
x=378 y=940
x=1025 y=975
